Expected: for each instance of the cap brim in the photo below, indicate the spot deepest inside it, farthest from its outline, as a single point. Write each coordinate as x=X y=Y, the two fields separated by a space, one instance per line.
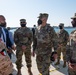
x=38 y=17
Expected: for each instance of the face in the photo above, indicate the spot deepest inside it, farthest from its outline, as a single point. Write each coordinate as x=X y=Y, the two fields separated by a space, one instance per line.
x=2 y=20
x=44 y=20
x=61 y=27
x=23 y=24
x=74 y=22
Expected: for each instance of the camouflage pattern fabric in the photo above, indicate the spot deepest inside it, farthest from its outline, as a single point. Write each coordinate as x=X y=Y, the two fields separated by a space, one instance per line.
x=6 y=66
x=71 y=48
x=43 y=63
x=71 y=72
x=19 y=54
x=63 y=50
x=71 y=51
x=2 y=46
x=63 y=38
x=45 y=36
x=23 y=36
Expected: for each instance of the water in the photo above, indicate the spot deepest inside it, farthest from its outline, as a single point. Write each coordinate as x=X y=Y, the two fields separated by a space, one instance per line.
x=69 y=30
x=12 y=30
x=56 y=29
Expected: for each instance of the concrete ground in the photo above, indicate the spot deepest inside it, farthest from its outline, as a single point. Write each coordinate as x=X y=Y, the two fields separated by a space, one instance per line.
x=54 y=70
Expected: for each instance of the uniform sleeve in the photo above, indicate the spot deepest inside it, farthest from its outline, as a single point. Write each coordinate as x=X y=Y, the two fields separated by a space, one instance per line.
x=69 y=48
x=54 y=39
x=66 y=38
x=16 y=38
x=31 y=37
x=34 y=43
x=68 y=53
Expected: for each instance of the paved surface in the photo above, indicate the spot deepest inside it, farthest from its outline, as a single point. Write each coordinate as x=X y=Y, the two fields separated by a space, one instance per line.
x=53 y=69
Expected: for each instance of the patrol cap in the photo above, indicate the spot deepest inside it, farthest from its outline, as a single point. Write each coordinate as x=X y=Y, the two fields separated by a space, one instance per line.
x=61 y=24
x=22 y=20
x=42 y=15
x=73 y=16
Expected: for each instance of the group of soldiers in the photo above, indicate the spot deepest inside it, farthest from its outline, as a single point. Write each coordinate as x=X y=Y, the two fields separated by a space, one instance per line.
x=44 y=39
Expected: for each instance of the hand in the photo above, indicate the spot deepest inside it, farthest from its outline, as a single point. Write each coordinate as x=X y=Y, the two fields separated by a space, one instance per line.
x=9 y=50
x=13 y=47
x=0 y=39
x=72 y=66
x=23 y=47
x=59 y=45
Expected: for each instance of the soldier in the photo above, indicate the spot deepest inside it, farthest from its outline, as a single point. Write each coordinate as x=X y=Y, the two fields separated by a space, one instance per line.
x=45 y=37
x=74 y=20
x=71 y=50
x=23 y=40
x=63 y=37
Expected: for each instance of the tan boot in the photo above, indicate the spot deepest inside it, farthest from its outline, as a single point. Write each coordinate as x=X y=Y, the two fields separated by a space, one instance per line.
x=64 y=65
x=58 y=62
x=19 y=72
x=29 y=71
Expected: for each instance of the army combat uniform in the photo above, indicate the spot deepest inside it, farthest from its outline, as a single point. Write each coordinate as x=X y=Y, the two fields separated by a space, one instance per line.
x=63 y=37
x=71 y=51
x=23 y=36
x=45 y=37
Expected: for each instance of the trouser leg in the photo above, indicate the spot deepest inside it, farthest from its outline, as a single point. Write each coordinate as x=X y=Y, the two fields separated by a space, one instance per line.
x=43 y=64
x=28 y=60
x=19 y=54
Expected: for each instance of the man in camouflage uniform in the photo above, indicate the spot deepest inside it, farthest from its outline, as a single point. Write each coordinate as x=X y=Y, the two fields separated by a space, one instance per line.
x=63 y=37
x=71 y=50
x=23 y=40
x=45 y=37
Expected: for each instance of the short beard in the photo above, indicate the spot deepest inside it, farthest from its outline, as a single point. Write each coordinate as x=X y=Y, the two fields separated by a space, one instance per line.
x=73 y=23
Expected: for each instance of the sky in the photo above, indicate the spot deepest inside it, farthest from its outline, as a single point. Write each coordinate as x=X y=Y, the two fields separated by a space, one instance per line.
x=60 y=11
